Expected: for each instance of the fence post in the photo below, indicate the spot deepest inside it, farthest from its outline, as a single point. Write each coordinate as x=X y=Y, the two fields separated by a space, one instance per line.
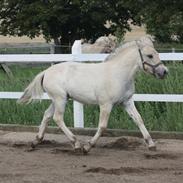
x=52 y=49
x=78 y=107
x=173 y=50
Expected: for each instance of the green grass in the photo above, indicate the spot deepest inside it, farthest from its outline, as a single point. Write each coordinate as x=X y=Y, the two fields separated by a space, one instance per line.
x=25 y=50
x=167 y=47
x=157 y=116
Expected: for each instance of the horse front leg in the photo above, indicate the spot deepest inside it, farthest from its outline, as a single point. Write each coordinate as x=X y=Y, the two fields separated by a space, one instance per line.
x=134 y=114
x=103 y=121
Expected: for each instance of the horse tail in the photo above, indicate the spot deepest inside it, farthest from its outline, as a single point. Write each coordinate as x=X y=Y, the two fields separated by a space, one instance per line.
x=33 y=91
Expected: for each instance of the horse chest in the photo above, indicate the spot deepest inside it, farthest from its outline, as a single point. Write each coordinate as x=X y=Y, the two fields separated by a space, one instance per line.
x=124 y=92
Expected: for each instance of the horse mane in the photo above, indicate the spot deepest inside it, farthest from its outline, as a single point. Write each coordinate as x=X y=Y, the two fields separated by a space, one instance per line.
x=146 y=40
x=120 y=48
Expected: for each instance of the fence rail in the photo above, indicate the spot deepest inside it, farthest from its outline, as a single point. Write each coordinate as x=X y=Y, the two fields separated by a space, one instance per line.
x=136 y=97
x=77 y=56
x=51 y=58
x=54 y=58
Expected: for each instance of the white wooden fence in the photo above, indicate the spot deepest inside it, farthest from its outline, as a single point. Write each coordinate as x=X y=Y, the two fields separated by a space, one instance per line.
x=77 y=56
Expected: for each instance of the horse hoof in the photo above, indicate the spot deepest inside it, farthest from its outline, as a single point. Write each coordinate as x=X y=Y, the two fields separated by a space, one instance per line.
x=39 y=140
x=86 y=148
x=85 y=152
x=33 y=145
x=78 y=150
x=77 y=147
x=152 y=148
x=30 y=149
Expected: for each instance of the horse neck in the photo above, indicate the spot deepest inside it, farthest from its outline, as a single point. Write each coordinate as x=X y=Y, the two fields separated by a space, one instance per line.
x=127 y=61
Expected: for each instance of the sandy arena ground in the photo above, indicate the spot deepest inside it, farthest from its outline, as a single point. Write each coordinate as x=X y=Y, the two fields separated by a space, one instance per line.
x=113 y=160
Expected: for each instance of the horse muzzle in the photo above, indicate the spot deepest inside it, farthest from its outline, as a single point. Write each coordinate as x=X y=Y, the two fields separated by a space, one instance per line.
x=161 y=72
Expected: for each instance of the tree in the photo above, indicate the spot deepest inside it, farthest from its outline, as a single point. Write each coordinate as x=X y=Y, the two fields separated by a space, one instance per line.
x=163 y=19
x=63 y=20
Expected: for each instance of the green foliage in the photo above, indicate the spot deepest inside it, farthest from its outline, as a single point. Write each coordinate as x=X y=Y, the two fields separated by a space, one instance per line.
x=163 y=19
x=63 y=20
x=67 y=20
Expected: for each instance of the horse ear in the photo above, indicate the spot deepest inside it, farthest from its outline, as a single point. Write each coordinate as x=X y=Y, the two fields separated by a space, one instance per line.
x=152 y=38
x=146 y=40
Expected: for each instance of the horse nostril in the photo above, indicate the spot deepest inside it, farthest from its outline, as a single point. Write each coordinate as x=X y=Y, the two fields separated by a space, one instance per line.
x=161 y=73
x=165 y=72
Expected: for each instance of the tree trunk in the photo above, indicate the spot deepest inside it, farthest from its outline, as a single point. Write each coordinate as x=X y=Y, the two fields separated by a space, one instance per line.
x=62 y=45
x=57 y=48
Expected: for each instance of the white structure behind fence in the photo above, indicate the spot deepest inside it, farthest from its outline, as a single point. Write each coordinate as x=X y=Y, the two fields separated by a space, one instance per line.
x=77 y=56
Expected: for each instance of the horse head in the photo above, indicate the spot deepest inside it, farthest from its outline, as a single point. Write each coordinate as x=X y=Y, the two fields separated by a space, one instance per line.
x=149 y=57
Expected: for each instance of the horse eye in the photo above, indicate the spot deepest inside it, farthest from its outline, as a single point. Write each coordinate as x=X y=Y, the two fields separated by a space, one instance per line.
x=150 y=56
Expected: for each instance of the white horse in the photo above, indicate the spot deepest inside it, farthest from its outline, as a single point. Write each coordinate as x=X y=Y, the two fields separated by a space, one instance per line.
x=104 y=44
x=105 y=84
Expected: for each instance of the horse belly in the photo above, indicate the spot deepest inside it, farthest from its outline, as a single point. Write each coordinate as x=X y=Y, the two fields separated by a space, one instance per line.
x=85 y=83
x=84 y=94
x=85 y=99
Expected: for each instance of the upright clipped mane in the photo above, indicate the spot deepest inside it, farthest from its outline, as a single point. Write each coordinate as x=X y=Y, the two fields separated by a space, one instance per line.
x=120 y=48
x=146 y=40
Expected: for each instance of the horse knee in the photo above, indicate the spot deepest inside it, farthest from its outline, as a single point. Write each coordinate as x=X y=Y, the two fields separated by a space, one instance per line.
x=57 y=119
x=48 y=115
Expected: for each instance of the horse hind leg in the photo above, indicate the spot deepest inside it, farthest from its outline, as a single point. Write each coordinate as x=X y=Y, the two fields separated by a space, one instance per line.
x=48 y=114
x=103 y=121
x=58 y=117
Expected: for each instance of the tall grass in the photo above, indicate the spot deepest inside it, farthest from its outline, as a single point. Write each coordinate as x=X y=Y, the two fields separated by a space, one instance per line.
x=157 y=116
